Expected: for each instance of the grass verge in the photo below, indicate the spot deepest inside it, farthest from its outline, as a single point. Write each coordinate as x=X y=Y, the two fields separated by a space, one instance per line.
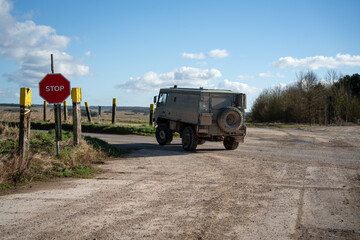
x=104 y=147
x=73 y=161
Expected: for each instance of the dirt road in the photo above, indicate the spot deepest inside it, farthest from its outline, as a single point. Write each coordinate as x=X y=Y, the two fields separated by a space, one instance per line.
x=279 y=184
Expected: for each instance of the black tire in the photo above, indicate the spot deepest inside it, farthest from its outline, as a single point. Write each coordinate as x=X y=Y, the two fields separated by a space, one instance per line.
x=189 y=139
x=163 y=134
x=230 y=120
x=230 y=143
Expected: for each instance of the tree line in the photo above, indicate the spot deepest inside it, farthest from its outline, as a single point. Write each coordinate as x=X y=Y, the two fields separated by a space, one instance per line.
x=332 y=100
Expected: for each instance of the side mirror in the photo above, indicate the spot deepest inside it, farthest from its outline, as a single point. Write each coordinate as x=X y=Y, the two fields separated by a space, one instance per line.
x=155 y=99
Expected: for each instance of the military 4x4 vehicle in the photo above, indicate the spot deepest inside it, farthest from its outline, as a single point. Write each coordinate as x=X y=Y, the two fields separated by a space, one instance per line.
x=200 y=115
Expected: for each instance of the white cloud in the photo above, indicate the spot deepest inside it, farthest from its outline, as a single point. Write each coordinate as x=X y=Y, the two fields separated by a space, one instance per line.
x=319 y=62
x=283 y=86
x=193 y=55
x=5 y=7
x=237 y=87
x=183 y=77
x=218 y=53
x=269 y=75
x=324 y=82
x=30 y=45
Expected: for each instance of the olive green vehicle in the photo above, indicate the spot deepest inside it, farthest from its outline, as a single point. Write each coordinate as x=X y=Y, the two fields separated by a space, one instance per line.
x=200 y=115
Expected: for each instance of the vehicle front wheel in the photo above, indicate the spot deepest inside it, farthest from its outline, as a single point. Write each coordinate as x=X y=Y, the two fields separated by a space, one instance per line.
x=163 y=134
x=230 y=143
x=189 y=139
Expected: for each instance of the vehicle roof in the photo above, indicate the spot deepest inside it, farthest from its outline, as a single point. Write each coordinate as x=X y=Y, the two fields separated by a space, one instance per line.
x=196 y=90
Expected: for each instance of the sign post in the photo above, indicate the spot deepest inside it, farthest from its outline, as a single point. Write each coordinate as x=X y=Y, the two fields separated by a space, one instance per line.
x=58 y=132
x=55 y=88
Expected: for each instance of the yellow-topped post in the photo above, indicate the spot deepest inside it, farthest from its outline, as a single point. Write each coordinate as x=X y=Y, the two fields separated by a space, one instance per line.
x=151 y=120
x=76 y=99
x=25 y=96
x=76 y=94
x=88 y=113
x=114 y=111
x=65 y=111
x=45 y=110
x=24 y=128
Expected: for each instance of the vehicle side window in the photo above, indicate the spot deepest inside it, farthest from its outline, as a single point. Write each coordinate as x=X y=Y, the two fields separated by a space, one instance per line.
x=162 y=98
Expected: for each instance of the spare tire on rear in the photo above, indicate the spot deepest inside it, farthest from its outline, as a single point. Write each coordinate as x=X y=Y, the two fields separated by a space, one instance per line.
x=230 y=119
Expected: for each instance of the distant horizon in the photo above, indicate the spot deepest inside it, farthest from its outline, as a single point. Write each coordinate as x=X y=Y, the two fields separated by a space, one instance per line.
x=70 y=106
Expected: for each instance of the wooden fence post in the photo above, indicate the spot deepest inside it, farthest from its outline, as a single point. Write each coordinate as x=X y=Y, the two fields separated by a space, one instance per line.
x=76 y=99
x=65 y=111
x=99 y=114
x=114 y=111
x=24 y=134
x=88 y=111
x=151 y=120
x=45 y=109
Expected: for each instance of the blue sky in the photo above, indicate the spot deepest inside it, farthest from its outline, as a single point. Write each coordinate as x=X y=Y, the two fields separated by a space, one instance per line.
x=129 y=49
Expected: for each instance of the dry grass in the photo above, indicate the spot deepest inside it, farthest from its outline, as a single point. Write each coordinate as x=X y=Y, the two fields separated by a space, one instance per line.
x=10 y=116
x=13 y=114
x=43 y=162
x=6 y=132
x=9 y=161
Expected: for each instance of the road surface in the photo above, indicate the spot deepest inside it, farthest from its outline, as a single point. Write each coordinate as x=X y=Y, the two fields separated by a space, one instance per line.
x=280 y=184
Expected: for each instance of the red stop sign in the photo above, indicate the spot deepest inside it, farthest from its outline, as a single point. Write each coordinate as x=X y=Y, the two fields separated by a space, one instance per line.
x=54 y=88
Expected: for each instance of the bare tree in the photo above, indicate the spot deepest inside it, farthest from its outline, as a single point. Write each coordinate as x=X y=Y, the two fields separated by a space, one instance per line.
x=307 y=82
x=332 y=76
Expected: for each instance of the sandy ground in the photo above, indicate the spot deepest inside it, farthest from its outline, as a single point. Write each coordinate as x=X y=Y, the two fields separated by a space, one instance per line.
x=280 y=184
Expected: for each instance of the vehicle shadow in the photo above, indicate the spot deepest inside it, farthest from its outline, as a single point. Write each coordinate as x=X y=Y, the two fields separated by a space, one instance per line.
x=154 y=150
x=140 y=146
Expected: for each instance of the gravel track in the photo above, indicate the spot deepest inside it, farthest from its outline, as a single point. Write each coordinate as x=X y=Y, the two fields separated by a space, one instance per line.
x=280 y=184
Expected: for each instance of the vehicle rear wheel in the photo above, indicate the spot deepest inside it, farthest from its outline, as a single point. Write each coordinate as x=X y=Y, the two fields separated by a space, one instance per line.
x=189 y=139
x=230 y=143
x=163 y=134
